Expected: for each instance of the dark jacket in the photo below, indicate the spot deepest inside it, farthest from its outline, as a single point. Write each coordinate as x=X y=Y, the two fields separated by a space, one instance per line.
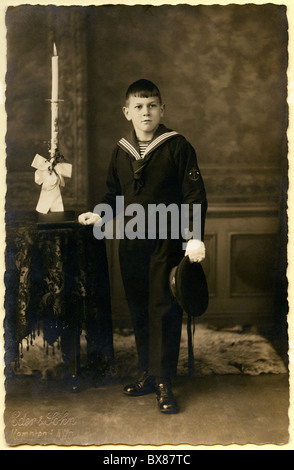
x=168 y=173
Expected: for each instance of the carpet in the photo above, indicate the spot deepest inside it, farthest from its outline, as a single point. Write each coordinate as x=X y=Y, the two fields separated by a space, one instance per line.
x=216 y=351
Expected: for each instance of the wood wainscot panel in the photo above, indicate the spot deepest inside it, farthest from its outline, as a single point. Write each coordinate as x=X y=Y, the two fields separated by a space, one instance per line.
x=246 y=256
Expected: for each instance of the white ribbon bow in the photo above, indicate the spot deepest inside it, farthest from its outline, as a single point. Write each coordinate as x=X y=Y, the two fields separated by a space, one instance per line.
x=50 y=197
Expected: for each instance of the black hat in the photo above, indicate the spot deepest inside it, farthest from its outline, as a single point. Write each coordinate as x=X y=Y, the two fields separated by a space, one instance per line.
x=189 y=287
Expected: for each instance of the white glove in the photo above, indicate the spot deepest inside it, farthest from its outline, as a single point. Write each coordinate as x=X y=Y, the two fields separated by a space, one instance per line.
x=89 y=218
x=195 y=250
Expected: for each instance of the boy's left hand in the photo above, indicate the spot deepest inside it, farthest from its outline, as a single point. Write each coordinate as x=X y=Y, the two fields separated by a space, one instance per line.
x=195 y=250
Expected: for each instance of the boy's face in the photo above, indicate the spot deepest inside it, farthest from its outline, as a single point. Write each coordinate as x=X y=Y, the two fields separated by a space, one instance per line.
x=145 y=114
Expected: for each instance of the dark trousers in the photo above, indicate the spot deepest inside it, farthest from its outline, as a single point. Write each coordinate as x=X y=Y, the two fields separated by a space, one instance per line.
x=156 y=316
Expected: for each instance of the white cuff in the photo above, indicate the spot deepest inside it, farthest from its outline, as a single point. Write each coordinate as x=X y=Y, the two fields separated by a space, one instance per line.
x=195 y=250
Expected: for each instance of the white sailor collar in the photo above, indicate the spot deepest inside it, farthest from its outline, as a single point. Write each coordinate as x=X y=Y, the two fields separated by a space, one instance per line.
x=130 y=144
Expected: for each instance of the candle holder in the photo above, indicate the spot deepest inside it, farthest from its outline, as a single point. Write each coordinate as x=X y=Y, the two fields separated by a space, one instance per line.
x=50 y=173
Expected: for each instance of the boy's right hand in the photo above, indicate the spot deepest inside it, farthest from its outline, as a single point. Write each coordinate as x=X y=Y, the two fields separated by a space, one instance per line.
x=89 y=218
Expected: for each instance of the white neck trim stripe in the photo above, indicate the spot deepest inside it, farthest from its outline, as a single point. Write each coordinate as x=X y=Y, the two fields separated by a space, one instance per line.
x=129 y=148
x=155 y=143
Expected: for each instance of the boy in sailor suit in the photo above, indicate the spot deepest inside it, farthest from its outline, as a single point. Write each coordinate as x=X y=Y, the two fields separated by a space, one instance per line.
x=153 y=165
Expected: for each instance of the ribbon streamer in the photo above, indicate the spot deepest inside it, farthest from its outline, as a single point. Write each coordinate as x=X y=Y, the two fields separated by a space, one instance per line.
x=51 y=178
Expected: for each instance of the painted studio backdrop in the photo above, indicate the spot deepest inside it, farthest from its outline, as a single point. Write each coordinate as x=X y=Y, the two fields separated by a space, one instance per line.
x=222 y=73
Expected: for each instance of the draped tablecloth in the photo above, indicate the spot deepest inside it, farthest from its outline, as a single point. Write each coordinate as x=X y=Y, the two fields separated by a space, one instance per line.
x=56 y=279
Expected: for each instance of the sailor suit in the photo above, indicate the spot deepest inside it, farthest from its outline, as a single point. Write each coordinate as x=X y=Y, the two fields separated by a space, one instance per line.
x=167 y=173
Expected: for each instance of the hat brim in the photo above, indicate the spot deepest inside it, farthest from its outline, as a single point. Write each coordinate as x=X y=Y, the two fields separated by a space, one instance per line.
x=189 y=286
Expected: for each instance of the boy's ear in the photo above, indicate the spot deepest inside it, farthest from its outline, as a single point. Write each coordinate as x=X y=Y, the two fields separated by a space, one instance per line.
x=162 y=107
x=126 y=113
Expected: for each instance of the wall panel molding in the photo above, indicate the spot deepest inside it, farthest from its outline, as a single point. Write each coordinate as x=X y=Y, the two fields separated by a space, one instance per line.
x=246 y=265
x=243 y=185
x=210 y=262
x=253 y=264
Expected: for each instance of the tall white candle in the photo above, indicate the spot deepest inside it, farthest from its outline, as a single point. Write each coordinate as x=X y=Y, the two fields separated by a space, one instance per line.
x=54 y=102
x=54 y=95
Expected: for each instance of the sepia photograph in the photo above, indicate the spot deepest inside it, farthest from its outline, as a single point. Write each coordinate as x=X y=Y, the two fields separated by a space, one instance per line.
x=146 y=227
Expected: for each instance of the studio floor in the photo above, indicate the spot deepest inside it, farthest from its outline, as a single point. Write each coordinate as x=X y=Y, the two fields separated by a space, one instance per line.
x=213 y=410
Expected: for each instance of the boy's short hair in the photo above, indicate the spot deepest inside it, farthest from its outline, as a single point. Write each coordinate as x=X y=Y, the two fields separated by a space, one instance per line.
x=144 y=89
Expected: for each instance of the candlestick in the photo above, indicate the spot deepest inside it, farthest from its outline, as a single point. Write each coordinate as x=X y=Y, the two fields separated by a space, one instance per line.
x=54 y=102
x=50 y=173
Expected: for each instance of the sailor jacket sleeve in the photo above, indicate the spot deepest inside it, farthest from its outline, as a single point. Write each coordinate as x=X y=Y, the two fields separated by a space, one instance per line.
x=112 y=183
x=192 y=186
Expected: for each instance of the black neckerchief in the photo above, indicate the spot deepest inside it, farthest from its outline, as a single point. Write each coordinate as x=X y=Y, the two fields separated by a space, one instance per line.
x=130 y=145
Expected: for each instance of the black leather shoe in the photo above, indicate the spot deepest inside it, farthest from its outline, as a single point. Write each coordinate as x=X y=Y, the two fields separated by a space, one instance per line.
x=144 y=385
x=165 y=399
